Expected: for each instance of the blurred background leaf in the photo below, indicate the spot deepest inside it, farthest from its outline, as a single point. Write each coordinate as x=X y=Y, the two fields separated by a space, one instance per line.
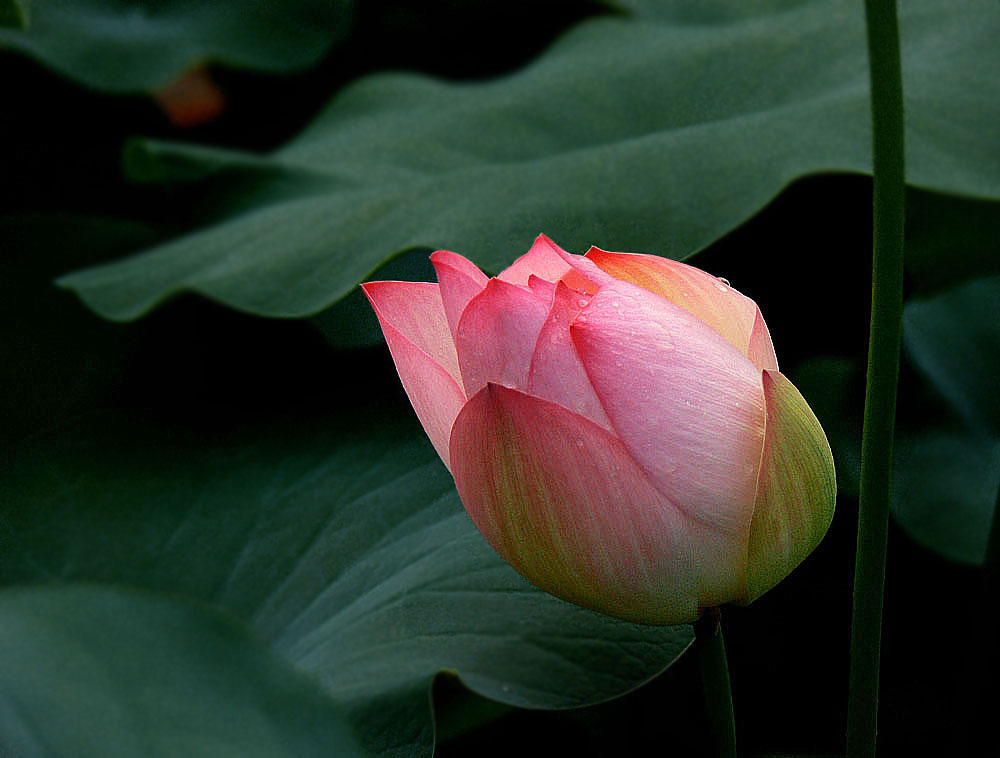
x=948 y=471
x=91 y=671
x=14 y=13
x=569 y=146
x=139 y=45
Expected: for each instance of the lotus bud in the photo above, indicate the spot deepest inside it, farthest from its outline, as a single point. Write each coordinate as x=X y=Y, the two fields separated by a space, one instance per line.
x=616 y=426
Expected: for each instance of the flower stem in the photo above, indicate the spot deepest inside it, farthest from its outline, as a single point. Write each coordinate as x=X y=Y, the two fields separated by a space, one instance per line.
x=883 y=372
x=715 y=681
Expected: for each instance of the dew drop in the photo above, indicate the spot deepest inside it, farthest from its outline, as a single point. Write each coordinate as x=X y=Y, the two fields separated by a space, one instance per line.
x=721 y=287
x=581 y=302
x=579 y=442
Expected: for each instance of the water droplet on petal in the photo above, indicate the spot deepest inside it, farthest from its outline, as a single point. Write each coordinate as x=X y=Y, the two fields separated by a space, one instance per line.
x=579 y=442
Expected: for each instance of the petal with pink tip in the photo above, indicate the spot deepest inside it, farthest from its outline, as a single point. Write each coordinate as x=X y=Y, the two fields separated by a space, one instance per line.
x=730 y=313
x=415 y=310
x=460 y=281
x=542 y=289
x=797 y=489
x=761 y=350
x=688 y=406
x=434 y=393
x=542 y=260
x=557 y=374
x=564 y=503
x=497 y=335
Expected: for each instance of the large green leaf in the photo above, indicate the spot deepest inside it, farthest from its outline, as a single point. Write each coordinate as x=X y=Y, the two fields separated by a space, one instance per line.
x=658 y=132
x=131 y=45
x=948 y=475
x=94 y=671
x=344 y=545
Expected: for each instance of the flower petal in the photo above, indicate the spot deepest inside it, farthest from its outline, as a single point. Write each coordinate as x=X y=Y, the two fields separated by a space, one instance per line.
x=497 y=334
x=460 y=281
x=687 y=405
x=563 y=502
x=797 y=489
x=542 y=260
x=435 y=394
x=730 y=313
x=416 y=311
x=761 y=350
x=542 y=289
x=557 y=374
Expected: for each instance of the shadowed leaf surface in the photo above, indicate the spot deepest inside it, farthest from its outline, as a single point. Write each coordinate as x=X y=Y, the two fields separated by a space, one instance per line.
x=97 y=671
x=344 y=546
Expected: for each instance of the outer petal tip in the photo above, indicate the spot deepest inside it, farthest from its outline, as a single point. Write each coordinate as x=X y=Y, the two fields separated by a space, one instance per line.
x=413 y=322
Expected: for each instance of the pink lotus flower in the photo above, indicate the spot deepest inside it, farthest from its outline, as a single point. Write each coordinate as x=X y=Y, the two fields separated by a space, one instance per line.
x=616 y=426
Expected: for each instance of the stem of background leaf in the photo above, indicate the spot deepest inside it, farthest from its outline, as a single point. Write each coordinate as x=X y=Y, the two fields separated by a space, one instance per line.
x=883 y=372
x=715 y=681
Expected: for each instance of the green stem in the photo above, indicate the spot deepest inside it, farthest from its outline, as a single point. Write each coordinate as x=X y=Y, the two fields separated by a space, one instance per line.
x=883 y=373
x=715 y=681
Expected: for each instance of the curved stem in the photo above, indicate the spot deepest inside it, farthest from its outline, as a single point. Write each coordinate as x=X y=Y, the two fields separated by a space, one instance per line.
x=715 y=681
x=883 y=372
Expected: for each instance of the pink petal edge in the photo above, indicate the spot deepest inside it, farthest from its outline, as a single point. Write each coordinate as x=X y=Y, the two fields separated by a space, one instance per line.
x=434 y=393
x=542 y=260
x=459 y=280
x=415 y=309
x=556 y=373
x=497 y=334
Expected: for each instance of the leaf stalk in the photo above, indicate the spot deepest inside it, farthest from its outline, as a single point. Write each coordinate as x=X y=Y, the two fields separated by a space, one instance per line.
x=883 y=373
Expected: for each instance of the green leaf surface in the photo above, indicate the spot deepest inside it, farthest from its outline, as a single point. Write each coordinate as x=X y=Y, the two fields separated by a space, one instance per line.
x=135 y=45
x=658 y=132
x=15 y=13
x=344 y=545
x=945 y=488
x=96 y=671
